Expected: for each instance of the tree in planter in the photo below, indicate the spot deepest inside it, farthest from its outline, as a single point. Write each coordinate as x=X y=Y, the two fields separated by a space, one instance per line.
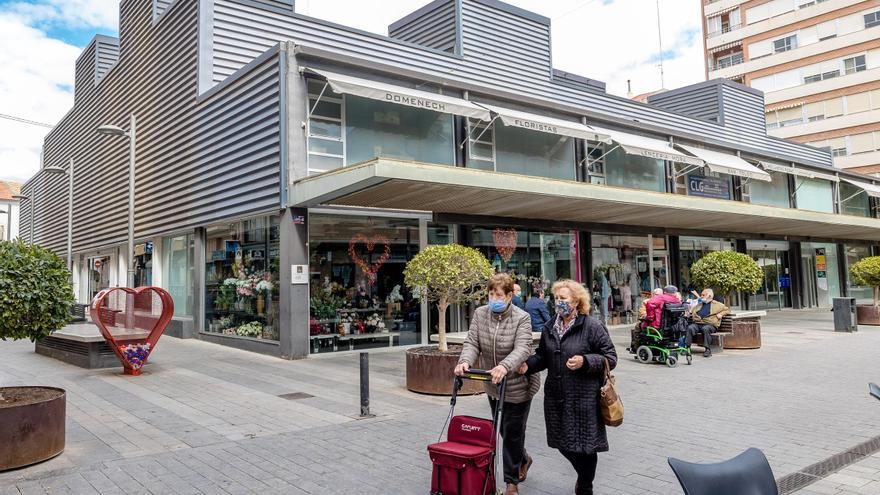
x=449 y=274
x=727 y=271
x=35 y=292
x=867 y=272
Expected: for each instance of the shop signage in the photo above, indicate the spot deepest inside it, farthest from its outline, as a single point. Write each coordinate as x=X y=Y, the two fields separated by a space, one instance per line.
x=536 y=126
x=821 y=269
x=299 y=274
x=784 y=281
x=218 y=255
x=299 y=220
x=708 y=187
x=413 y=101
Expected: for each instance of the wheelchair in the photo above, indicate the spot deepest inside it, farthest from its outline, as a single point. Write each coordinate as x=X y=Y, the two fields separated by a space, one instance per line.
x=664 y=344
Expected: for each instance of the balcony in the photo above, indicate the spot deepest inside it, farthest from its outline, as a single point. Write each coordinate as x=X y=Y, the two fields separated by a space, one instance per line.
x=724 y=29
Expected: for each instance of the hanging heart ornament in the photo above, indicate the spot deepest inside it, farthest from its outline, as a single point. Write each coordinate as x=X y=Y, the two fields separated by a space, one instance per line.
x=505 y=242
x=370 y=243
x=131 y=321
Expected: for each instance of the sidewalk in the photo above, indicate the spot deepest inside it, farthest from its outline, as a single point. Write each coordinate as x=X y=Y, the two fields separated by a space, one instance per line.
x=208 y=419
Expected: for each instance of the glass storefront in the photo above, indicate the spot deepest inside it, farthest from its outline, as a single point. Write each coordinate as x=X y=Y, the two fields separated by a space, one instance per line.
x=178 y=255
x=143 y=264
x=854 y=201
x=241 y=278
x=855 y=253
x=622 y=276
x=815 y=195
x=526 y=152
x=821 y=274
x=100 y=274
x=773 y=259
x=774 y=193
x=634 y=172
x=357 y=296
x=691 y=249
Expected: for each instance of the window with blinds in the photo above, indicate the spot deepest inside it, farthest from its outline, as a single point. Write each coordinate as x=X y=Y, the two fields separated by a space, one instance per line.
x=814 y=111
x=833 y=107
x=861 y=143
x=859 y=102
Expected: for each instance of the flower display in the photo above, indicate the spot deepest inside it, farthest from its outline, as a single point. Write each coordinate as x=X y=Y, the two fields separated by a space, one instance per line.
x=135 y=354
x=376 y=322
x=252 y=329
x=395 y=295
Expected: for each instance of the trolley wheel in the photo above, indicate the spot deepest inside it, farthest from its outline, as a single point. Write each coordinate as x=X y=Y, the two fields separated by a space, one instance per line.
x=672 y=361
x=690 y=358
x=644 y=354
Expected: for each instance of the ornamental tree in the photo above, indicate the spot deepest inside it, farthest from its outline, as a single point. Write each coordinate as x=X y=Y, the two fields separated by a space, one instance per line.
x=449 y=274
x=727 y=271
x=867 y=272
x=35 y=291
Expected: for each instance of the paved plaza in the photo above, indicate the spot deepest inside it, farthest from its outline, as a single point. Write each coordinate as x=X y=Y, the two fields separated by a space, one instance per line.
x=208 y=419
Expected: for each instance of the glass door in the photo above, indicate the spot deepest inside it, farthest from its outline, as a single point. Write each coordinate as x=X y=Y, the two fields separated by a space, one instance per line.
x=809 y=285
x=773 y=293
x=99 y=274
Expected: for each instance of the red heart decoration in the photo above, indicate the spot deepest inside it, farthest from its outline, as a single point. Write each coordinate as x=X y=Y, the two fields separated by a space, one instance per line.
x=505 y=242
x=132 y=320
x=370 y=242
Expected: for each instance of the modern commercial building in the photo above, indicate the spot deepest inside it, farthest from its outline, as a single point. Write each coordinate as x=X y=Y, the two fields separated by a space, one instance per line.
x=9 y=205
x=817 y=62
x=287 y=168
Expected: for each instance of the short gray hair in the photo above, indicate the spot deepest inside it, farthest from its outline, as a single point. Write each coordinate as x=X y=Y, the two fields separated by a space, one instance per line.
x=710 y=291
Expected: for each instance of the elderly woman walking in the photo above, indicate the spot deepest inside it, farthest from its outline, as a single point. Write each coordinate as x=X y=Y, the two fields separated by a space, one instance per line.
x=500 y=336
x=574 y=349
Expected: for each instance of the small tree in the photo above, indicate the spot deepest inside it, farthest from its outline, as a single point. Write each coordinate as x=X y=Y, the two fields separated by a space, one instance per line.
x=727 y=271
x=450 y=274
x=867 y=272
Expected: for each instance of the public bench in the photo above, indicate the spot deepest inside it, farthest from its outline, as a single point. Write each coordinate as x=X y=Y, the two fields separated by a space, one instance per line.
x=740 y=330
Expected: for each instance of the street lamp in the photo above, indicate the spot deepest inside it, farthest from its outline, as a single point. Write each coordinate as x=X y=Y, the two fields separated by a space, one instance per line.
x=112 y=130
x=21 y=197
x=55 y=170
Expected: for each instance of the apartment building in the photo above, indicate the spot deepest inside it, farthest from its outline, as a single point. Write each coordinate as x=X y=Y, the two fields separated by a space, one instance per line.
x=817 y=62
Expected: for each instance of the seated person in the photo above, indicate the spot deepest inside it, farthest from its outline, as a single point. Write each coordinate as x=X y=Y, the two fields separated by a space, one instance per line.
x=706 y=318
x=643 y=312
x=654 y=306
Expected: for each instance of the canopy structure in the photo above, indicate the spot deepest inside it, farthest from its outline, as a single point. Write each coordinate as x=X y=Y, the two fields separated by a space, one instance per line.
x=634 y=144
x=798 y=172
x=391 y=93
x=444 y=190
x=872 y=190
x=726 y=163
x=542 y=123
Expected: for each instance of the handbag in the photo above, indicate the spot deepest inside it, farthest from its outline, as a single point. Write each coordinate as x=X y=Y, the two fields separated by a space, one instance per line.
x=609 y=400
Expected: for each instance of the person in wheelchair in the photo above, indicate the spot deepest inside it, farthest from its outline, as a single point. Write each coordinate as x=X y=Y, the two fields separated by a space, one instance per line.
x=664 y=326
x=706 y=318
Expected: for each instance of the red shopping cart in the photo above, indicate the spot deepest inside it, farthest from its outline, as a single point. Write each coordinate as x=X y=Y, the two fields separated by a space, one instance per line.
x=465 y=463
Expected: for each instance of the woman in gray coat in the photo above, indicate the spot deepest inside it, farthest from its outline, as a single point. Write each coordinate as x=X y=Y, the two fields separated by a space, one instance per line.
x=500 y=340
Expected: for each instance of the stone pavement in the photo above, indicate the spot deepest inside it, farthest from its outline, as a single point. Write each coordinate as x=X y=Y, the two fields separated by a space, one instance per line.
x=208 y=419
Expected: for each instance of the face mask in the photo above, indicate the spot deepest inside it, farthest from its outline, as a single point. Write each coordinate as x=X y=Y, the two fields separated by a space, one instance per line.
x=497 y=305
x=701 y=300
x=564 y=309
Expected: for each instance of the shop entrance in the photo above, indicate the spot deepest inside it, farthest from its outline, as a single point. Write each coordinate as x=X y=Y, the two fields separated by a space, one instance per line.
x=775 y=291
x=821 y=274
x=100 y=273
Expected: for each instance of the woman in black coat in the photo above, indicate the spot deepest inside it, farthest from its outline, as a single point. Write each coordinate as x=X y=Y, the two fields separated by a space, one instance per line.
x=573 y=350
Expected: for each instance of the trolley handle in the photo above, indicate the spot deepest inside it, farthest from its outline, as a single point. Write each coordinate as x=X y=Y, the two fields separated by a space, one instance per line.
x=479 y=375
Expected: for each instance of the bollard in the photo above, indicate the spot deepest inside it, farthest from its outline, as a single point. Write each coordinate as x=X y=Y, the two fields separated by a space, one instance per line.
x=365 y=385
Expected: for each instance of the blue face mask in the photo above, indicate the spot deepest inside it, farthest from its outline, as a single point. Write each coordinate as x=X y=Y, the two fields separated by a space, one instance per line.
x=564 y=309
x=497 y=305
x=701 y=300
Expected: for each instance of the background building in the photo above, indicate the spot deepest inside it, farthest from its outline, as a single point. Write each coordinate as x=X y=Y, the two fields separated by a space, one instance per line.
x=817 y=62
x=9 y=209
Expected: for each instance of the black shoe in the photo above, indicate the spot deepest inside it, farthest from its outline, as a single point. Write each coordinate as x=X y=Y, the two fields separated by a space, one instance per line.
x=707 y=353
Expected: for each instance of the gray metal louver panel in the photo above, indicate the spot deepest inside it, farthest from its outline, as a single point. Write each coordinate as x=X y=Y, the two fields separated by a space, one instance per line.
x=435 y=27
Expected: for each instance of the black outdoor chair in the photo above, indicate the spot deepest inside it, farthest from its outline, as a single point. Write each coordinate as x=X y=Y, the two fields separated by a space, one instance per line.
x=874 y=389
x=746 y=474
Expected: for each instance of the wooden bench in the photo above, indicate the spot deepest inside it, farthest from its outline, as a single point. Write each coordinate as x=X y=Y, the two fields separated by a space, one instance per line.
x=718 y=337
x=741 y=330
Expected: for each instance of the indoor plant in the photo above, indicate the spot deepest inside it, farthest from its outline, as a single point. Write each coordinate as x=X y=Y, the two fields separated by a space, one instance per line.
x=35 y=299
x=867 y=272
x=445 y=275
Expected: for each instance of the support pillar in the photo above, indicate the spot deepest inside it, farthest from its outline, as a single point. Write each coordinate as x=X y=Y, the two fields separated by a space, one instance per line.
x=293 y=298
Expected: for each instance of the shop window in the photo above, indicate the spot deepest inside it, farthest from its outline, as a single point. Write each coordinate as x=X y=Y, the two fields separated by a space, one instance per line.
x=774 y=193
x=143 y=264
x=358 y=298
x=178 y=255
x=854 y=64
x=815 y=195
x=481 y=144
x=595 y=163
x=855 y=253
x=692 y=249
x=379 y=129
x=621 y=277
x=854 y=201
x=636 y=172
x=527 y=152
x=326 y=144
x=241 y=278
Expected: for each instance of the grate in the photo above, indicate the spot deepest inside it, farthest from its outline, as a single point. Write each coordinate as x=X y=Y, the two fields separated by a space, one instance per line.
x=295 y=396
x=814 y=472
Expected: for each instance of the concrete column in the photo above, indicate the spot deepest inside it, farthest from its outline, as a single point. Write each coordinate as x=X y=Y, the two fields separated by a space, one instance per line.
x=294 y=298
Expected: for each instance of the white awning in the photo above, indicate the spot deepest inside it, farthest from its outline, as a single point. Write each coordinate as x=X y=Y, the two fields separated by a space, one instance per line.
x=799 y=172
x=721 y=48
x=546 y=124
x=873 y=190
x=648 y=147
x=376 y=90
x=726 y=163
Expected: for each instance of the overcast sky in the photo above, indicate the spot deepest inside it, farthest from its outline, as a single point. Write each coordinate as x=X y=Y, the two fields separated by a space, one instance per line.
x=608 y=40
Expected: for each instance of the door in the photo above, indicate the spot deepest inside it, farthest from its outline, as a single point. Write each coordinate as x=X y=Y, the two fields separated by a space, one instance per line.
x=99 y=274
x=808 y=267
x=660 y=275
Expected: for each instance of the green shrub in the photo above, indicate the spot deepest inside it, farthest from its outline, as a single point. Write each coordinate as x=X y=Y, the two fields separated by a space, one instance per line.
x=35 y=291
x=449 y=274
x=727 y=271
x=867 y=272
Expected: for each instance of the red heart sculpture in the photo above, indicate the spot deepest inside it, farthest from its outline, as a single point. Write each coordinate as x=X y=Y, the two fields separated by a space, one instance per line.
x=370 y=243
x=505 y=242
x=132 y=320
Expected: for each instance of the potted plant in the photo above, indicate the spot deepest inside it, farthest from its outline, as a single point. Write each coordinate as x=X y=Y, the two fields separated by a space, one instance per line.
x=444 y=275
x=35 y=300
x=725 y=272
x=867 y=272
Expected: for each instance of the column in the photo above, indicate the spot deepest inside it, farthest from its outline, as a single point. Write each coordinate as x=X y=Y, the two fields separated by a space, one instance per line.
x=293 y=298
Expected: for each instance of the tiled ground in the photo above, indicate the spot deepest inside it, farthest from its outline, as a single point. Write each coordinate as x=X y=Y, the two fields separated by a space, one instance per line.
x=208 y=419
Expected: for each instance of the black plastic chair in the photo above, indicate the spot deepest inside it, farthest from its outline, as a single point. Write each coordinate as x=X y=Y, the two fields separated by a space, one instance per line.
x=746 y=474
x=874 y=389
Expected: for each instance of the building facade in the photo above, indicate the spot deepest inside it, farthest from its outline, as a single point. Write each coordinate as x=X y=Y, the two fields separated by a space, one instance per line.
x=287 y=168
x=817 y=61
x=9 y=210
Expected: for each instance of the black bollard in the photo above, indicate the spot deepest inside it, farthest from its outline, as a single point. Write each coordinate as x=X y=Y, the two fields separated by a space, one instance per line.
x=365 y=385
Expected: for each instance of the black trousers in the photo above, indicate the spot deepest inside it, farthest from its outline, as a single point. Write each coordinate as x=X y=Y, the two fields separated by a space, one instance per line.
x=695 y=328
x=585 y=465
x=513 y=430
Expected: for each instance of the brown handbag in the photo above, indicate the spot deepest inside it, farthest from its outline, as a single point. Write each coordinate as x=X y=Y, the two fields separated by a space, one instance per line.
x=609 y=400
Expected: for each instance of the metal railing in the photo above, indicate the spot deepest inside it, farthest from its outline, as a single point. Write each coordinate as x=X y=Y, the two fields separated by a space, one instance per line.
x=724 y=29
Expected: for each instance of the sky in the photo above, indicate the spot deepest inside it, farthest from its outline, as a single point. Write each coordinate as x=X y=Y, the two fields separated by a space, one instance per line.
x=608 y=40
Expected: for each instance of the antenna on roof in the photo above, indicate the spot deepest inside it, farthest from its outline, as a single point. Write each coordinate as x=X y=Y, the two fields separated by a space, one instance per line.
x=660 y=43
x=629 y=89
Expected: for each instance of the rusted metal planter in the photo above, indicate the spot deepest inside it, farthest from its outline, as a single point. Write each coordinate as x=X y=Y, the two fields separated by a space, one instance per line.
x=868 y=314
x=429 y=371
x=746 y=335
x=32 y=427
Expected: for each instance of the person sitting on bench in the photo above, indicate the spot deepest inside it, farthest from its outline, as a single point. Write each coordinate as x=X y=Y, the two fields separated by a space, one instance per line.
x=706 y=318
